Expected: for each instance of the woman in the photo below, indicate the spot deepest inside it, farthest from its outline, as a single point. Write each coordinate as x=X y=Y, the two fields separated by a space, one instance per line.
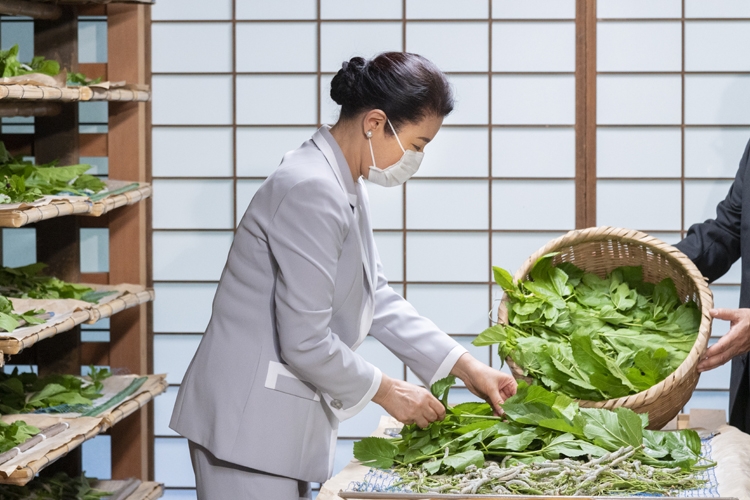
x=277 y=370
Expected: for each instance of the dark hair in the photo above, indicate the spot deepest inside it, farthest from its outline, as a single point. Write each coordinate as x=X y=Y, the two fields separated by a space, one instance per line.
x=406 y=87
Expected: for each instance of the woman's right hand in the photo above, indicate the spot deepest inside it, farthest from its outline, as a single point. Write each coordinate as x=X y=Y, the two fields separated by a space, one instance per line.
x=408 y=403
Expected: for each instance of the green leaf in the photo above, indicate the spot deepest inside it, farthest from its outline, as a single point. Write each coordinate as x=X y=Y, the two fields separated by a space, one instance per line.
x=375 y=452
x=440 y=388
x=7 y=322
x=503 y=278
x=612 y=430
x=460 y=461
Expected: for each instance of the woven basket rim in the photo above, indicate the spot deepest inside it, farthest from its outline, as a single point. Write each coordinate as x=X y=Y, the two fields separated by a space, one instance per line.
x=608 y=233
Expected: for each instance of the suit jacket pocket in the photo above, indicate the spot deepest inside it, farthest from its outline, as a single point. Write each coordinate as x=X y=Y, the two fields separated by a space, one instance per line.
x=279 y=378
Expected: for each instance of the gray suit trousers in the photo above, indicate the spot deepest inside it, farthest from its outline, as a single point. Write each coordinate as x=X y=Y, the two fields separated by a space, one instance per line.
x=219 y=480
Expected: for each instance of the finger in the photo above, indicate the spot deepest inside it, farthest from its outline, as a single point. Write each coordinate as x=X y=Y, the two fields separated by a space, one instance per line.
x=715 y=361
x=421 y=422
x=725 y=314
x=438 y=408
x=719 y=347
x=509 y=387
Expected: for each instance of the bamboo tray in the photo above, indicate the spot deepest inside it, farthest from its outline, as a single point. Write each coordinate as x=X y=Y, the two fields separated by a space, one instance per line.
x=69 y=94
x=154 y=386
x=146 y=490
x=20 y=218
x=11 y=346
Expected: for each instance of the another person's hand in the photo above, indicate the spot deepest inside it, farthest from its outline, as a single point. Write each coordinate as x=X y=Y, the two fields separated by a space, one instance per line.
x=408 y=403
x=489 y=384
x=734 y=343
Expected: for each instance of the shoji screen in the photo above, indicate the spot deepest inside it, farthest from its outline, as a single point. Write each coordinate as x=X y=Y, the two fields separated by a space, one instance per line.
x=673 y=119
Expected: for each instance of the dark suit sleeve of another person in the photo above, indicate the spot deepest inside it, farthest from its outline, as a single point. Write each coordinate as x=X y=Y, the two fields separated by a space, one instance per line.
x=714 y=245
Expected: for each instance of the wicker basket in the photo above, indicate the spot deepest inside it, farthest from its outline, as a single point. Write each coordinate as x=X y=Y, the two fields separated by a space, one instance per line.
x=600 y=250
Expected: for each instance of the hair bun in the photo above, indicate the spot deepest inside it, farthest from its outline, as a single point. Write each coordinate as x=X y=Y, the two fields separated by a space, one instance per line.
x=346 y=85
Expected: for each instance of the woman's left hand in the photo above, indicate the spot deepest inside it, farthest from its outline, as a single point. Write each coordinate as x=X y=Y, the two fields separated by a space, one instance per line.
x=733 y=343
x=489 y=384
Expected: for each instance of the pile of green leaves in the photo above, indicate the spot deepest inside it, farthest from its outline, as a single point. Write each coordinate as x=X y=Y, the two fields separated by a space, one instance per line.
x=27 y=392
x=22 y=181
x=11 y=435
x=57 y=487
x=538 y=426
x=10 y=66
x=593 y=338
x=27 y=282
x=10 y=320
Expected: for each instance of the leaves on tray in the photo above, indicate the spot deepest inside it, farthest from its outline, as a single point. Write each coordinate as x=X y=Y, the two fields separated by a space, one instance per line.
x=27 y=282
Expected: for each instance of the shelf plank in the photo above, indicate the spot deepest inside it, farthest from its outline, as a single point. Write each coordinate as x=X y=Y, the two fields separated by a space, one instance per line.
x=30 y=9
x=20 y=218
x=12 y=346
x=11 y=93
x=147 y=490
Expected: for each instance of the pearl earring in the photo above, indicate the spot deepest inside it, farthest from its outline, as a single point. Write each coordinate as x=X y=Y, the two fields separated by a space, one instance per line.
x=369 y=134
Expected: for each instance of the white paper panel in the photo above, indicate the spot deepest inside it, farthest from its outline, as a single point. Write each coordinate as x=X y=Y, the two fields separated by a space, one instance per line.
x=454 y=308
x=386 y=206
x=19 y=246
x=718 y=378
x=360 y=9
x=21 y=34
x=534 y=9
x=471 y=95
x=344 y=454
x=259 y=150
x=511 y=250
x=173 y=353
x=455 y=46
x=638 y=152
x=701 y=198
x=638 y=99
x=192 y=152
x=246 y=189
x=94 y=244
x=391 y=251
x=533 y=100
x=179 y=495
x=446 y=9
x=668 y=237
x=183 y=256
x=286 y=47
x=714 y=152
x=163 y=406
x=169 y=10
x=709 y=400
x=191 y=47
x=183 y=307
x=657 y=207
x=717 y=46
x=639 y=8
x=717 y=99
x=92 y=41
x=725 y=297
x=717 y=8
x=447 y=257
x=639 y=46
x=172 y=462
x=97 y=457
x=209 y=98
x=192 y=204
x=276 y=99
x=533 y=152
x=533 y=46
x=446 y=204
x=342 y=41
x=456 y=152
x=278 y=9
x=329 y=110
x=533 y=205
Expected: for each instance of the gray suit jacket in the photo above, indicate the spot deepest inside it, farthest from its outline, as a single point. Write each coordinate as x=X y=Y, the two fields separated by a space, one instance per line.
x=277 y=369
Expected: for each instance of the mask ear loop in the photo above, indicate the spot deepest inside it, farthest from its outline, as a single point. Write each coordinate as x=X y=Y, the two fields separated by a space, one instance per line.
x=372 y=153
x=394 y=133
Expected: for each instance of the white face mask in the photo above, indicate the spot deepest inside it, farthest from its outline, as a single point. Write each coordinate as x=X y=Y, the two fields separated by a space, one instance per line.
x=399 y=172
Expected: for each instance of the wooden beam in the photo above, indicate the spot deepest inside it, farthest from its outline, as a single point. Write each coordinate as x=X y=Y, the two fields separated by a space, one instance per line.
x=94 y=145
x=94 y=70
x=95 y=278
x=95 y=353
x=129 y=159
x=585 y=113
x=31 y=9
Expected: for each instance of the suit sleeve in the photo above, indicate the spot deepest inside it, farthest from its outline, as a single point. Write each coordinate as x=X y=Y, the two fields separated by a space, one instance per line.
x=306 y=236
x=714 y=245
x=416 y=340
